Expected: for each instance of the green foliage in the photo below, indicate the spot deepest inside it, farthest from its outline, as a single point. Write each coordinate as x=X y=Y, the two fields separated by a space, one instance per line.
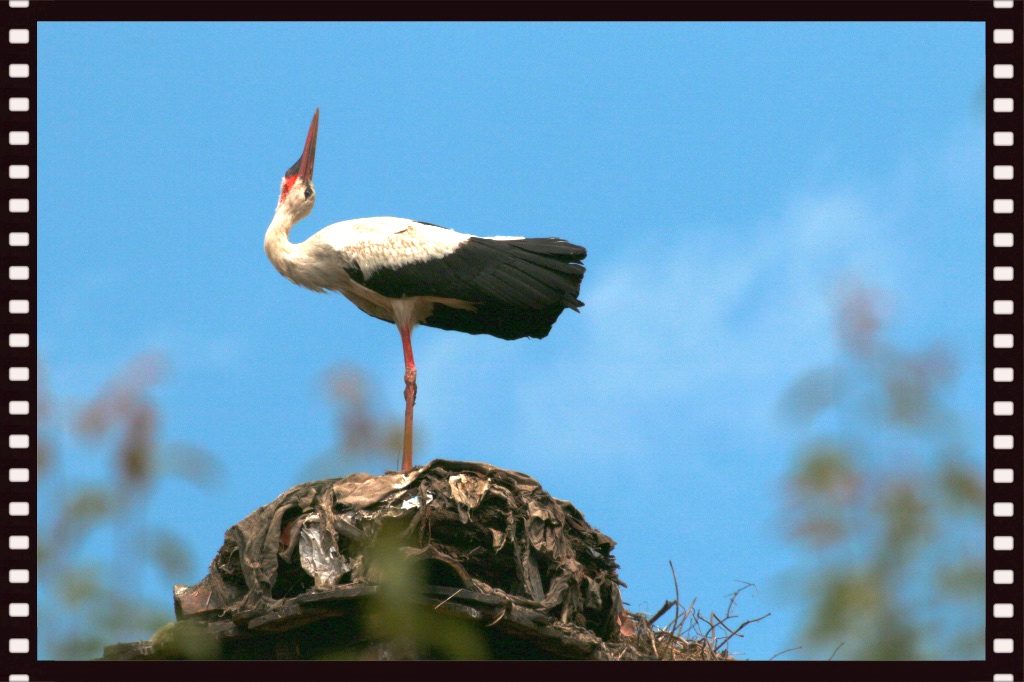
x=396 y=613
x=186 y=640
x=77 y=515
x=398 y=616
x=170 y=553
x=961 y=487
x=878 y=499
x=90 y=604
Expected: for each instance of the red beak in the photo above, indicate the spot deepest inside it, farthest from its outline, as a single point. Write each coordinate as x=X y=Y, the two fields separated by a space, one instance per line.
x=309 y=151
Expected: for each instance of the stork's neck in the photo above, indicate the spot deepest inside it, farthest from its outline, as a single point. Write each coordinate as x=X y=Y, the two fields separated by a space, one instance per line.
x=279 y=248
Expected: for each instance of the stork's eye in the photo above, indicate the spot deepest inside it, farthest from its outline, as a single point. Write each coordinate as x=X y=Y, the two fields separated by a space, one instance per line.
x=308 y=193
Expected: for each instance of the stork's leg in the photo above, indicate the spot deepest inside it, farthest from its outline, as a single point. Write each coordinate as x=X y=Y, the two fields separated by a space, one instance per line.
x=410 y=396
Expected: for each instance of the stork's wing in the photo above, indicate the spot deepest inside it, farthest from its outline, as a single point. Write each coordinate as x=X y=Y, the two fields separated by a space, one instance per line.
x=403 y=258
x=518 y=286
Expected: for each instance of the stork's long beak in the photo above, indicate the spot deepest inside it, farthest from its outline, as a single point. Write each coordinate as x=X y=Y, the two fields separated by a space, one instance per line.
x=309 y=151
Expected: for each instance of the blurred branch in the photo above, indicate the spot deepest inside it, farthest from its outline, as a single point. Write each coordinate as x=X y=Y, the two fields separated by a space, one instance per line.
x=880 y=529
x=362 y=435
x=101 y=604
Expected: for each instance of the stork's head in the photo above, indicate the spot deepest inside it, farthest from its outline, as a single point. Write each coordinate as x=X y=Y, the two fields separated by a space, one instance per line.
x=297 y=192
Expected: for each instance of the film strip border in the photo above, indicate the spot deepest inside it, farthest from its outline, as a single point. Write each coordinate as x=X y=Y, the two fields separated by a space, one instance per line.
x=1004 y=334
x=19 y=324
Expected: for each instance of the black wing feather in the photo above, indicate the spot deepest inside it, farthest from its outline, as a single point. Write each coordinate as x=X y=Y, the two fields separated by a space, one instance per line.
x=481 y=270
x=519 y=287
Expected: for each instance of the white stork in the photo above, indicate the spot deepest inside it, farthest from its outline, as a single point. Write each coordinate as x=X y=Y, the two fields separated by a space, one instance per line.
x=410 y=272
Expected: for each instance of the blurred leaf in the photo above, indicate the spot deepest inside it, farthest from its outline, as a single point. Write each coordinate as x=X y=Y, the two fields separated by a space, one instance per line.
x=79 y=515
x=44 y=456
x=145 y=370
x=937 y=363
x=190 y=463
x=88 y=504
x=821 y=532
x=81 y=585
x=961 y=486
x=911 y=384
x=326 y=465
x=97 y=417
x=894 y=637
x=965 y=579
x=825 y=468
x=94 y=605
x=845 y=602
x=45 y=408
x=135 y=455
x=815 y=391
x=968 y=644
x=346 y=383
x=186 y=639
x=119 y=400
x=152 y=619
x=112 y=618
x=79 y=646
x=908 y=400
x=119 y=613
x=907 y=517
x=392 y=441
x=170 y=553
x=396 y=612
x=859 y=319
x=362 y=435
x=889 y=573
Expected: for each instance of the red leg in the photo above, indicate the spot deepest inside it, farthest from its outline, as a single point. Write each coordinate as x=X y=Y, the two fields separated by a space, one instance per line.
x=410 y=396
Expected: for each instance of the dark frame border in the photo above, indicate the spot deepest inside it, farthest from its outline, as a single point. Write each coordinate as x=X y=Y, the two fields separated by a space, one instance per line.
x=20 y=454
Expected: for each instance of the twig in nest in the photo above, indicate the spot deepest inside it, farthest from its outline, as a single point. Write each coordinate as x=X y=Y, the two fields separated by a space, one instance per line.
x=709 y=636
x=448 y=598
x=752 y=620
x=661 y=612
x=785 y=651
x=675 y=584
x=732 y=601
x=688 y=615
x=736 y=632
x=732 y=633
x=746 y=585
x=497 y=620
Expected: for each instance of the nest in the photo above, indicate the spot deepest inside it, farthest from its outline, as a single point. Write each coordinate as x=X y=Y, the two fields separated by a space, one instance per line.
x=499 y=562
x=493 y=545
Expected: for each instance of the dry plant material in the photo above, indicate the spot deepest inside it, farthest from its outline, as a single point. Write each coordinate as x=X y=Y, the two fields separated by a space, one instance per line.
x=484 y=546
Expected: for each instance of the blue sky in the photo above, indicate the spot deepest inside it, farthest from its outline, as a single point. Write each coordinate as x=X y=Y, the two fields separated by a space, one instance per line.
x=725 y=178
